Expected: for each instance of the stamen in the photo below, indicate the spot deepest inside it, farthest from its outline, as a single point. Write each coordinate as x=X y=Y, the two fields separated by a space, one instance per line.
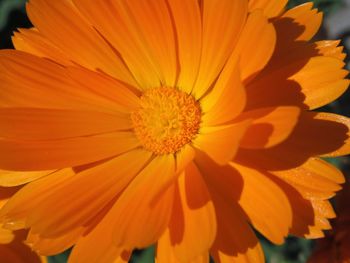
x=167 y=120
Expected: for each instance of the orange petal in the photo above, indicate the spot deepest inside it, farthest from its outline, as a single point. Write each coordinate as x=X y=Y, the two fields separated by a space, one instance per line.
x=165 y=252
x=20 y=155
x=310 y=81
x=158 y=37
x=221 y=21
x=97 y=247
x=135 y=32
x=323 y=211
x=302 y=52
x=305 y=220
x=107 y=179
x=323 y=208
x=254 y=58
x=188 y=29
x=29 y=81
x=269 y=126
x=227 y=98
x=298 y=55
x=154 y=21
x=6 y=193
x=6 y=236
x=270 y=8
x=326 y=170
x=321 y=80
x=91 y=251
x=267 y=207
x=300 y=23
x=254 y=254
x=330 y=48
x=314 y=179
x=234 y=239
x=142 y=212
x=184 y=157
x=14 y=213
x=221 y=142
x=308 y=134
x=304 y=142
x=50 y=124
x=33 y=42
x=193 y=215
x=18 y=252
x=13 y=178
x=47 y=246
x=126 y=97
x=223 y=179
x=343 y=123
x=66 y=28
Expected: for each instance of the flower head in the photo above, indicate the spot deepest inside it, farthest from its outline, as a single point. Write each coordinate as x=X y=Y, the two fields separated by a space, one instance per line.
x=180 y=123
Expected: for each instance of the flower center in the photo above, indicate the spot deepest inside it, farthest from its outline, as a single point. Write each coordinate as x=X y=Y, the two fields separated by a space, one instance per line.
x=167 y=120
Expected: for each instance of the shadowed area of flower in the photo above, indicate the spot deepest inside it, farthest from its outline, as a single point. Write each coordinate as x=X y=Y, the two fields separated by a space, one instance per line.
x=335 y=246
x=12 y=246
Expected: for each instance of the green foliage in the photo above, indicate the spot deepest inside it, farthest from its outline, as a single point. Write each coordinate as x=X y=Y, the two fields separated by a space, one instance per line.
x=6 y=6
x=61 y=258
x=144 y=256
x=294 y=250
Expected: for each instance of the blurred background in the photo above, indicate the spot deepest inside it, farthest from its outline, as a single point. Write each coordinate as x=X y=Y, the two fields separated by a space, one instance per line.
x=336 y=26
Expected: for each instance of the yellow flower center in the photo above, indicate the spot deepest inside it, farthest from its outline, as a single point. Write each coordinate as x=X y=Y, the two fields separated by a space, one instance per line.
x=167 y=120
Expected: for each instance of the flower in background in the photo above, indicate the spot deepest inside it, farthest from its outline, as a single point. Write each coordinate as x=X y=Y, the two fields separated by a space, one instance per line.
x=12 y=246
x=180 y=123
x=335 y=247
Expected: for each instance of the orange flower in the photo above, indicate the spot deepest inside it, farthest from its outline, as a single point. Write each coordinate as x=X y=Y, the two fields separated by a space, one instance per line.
x=180 y=123
x=335 y=248
x=12 y=247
